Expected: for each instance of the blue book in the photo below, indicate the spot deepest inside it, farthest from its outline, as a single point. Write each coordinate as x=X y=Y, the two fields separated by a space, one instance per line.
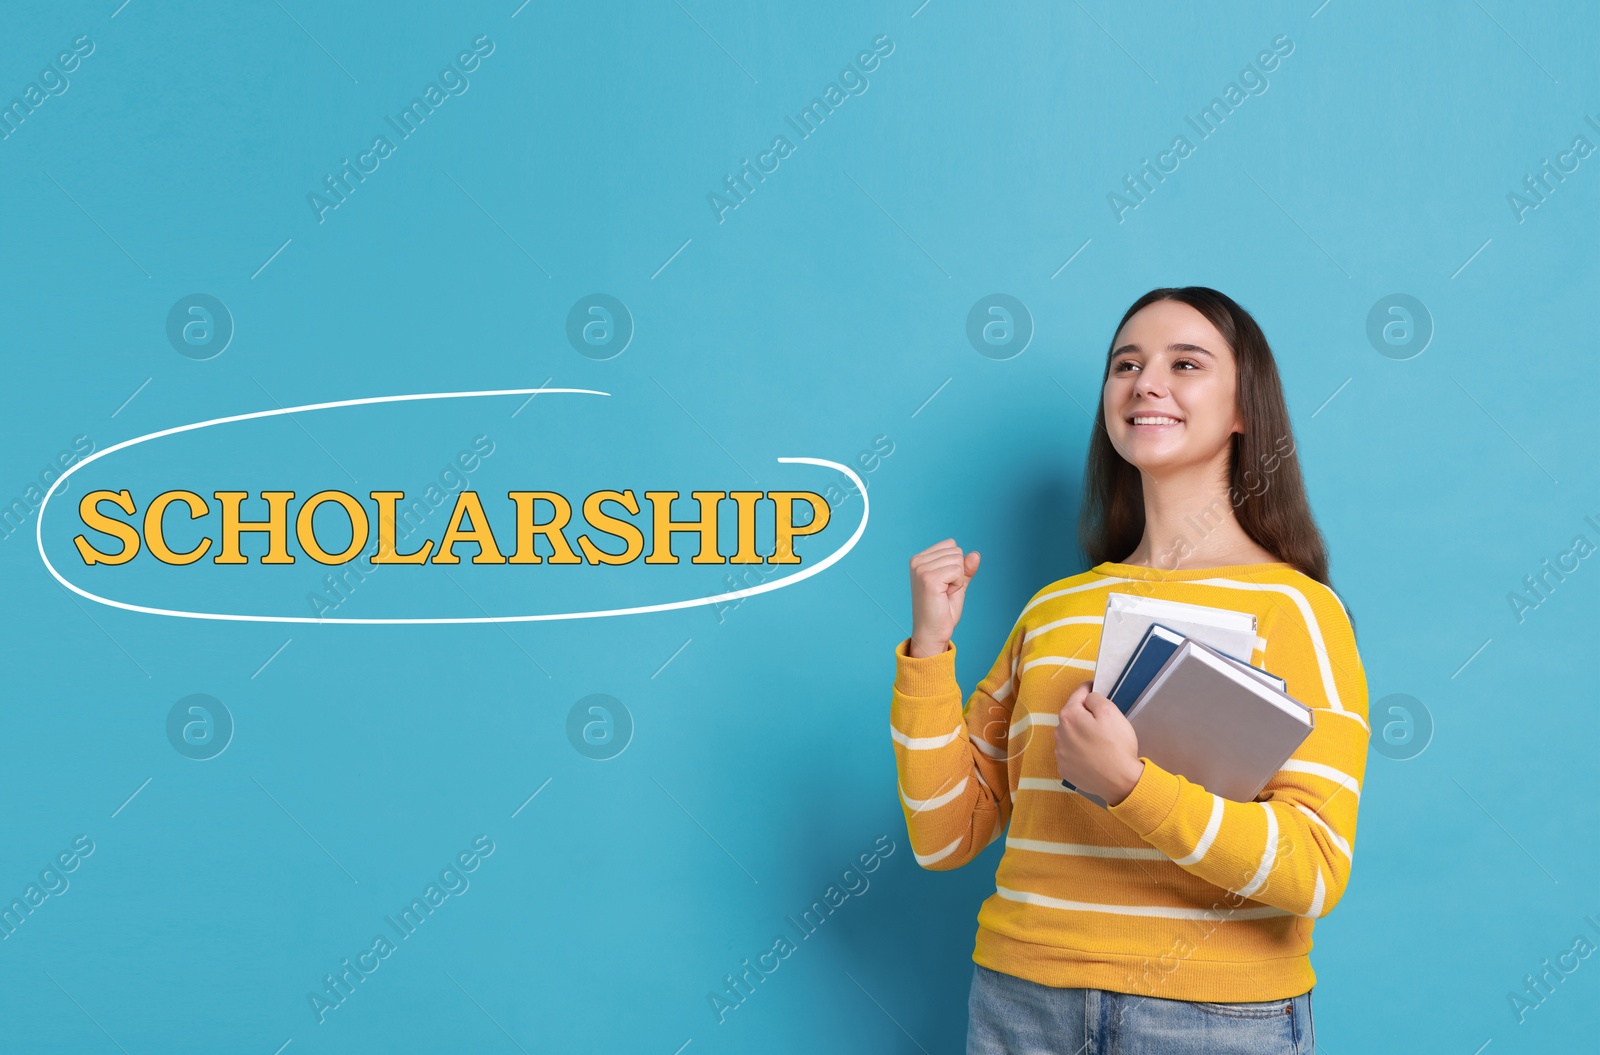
x=1153 y=650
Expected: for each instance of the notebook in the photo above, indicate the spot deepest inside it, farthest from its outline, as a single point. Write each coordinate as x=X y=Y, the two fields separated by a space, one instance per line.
x=1129 y=615
x=1216 y=722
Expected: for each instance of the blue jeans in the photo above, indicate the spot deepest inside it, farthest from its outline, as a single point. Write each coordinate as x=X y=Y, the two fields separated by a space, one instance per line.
x=1013 y=1016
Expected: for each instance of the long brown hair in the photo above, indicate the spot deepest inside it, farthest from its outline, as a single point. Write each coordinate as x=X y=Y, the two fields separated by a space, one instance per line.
x=1264 y=484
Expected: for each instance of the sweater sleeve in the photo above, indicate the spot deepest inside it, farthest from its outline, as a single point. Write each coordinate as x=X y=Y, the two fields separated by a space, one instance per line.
x=1291 y=848
x=951 y=760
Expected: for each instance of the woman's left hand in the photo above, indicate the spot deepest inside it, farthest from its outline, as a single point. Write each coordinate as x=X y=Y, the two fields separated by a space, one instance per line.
x=1096 y=747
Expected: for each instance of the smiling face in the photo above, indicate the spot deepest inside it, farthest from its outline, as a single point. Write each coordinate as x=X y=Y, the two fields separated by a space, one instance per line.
x=1170 y=398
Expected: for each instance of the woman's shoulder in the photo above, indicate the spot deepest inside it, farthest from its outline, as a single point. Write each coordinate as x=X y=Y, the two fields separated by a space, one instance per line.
x=1315 y=610
x=1318 y=594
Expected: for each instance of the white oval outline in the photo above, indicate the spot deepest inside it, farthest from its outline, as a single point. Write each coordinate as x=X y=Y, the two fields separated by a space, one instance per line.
x=228 y=617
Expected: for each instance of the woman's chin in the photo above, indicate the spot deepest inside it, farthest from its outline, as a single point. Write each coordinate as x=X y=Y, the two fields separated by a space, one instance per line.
x=1158 y=461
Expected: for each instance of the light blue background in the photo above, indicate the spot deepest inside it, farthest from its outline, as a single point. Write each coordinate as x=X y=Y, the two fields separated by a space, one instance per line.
x=822 y=313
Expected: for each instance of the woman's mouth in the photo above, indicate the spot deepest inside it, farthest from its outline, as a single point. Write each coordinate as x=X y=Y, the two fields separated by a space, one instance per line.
x=1153 y=422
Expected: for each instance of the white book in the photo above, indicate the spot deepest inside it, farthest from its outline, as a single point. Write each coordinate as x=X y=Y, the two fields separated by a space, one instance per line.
x=1129 y=615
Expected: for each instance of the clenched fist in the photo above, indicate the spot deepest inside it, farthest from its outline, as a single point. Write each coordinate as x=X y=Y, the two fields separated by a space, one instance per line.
x=1096 y=747
x=939 y=577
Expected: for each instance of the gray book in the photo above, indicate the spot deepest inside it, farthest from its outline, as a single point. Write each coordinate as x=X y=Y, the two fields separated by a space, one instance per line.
x=1215 y=724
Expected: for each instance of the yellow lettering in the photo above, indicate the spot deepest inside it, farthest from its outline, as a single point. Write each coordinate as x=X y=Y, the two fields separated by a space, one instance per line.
x=611 y=526
x=488 y=553
x=305 y=527
x=154 y=535
x=93 y=519
x=745 y=520
x=784 y=527
x=275 y=527
x=386 y=544
x=551 y=530
x=666 y=527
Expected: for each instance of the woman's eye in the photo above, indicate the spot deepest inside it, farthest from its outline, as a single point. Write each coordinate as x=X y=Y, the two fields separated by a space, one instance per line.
x=1118 y=369
x=1191 y=362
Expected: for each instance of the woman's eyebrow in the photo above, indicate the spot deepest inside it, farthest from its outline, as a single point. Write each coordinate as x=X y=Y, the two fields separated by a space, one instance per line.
x=1179 y=347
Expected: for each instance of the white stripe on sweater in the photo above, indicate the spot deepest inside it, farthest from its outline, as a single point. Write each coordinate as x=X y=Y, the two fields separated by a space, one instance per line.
x=1058 y=661
x=1085 y=849
x=941 y=854
x=1317 y=895
x=937 y=855
x=1206 y=836
x=1005 y=690
x=1070 y=661
x=1051 y=718
x=1317 y=769
x=1162 y=911
x=1044 y=784
x=933 y=743
x=1338 y=840
x=918 y=805
x=1070 y=620
x=989 y=749
x=1268 y=855
x=924 y=743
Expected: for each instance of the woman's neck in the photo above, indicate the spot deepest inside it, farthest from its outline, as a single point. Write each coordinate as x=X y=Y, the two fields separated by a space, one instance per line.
x=1189 y=523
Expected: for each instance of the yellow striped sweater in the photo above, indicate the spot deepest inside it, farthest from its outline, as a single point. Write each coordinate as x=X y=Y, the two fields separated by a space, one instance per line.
x=1174 y=892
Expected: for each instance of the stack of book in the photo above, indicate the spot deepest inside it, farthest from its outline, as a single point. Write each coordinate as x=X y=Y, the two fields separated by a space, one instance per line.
x=1200 y=710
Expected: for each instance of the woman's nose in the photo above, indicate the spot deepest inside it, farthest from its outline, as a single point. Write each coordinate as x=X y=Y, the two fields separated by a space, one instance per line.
x=1149 y=385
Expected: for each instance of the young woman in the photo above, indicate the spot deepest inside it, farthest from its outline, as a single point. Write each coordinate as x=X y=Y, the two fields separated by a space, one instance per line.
x=1174 y=920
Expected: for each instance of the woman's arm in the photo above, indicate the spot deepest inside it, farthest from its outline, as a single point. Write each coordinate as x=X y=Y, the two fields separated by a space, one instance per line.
x=1292 y=847
x=950 y=759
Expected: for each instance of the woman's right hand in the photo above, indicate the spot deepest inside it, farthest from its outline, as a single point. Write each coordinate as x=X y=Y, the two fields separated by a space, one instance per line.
x=939 y=577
